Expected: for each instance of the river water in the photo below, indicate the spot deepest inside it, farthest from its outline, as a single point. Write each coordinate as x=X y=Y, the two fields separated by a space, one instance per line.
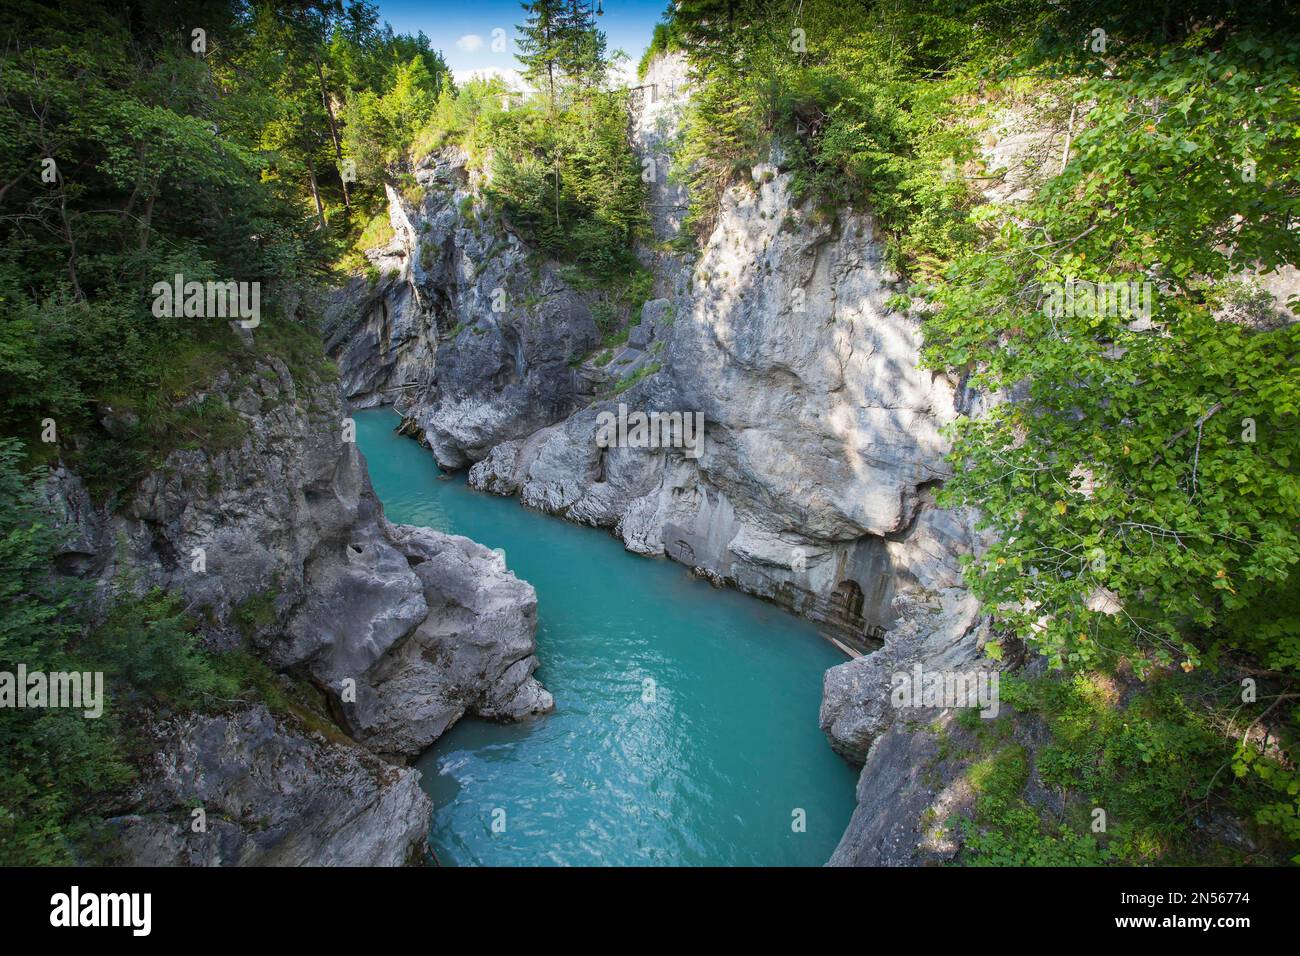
x=685 y=730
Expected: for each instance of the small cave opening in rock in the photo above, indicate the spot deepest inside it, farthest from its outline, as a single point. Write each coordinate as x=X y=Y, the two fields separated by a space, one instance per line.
x=847 y=600
x=167 y=553
x=443 y=309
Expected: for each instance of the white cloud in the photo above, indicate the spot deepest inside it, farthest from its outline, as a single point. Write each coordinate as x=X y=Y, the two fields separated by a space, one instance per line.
x=470 y=42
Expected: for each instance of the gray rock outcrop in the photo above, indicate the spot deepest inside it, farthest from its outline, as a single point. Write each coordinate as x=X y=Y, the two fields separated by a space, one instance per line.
x=461 y=295
x=472 y=652
x=822 y=435
x=278 y=544
x=269 y=796
x=856 y=706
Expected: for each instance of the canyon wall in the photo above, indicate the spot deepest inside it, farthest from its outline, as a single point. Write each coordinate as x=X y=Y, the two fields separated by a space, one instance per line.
x=823 y=443
x=279 y=546
x=822 y=436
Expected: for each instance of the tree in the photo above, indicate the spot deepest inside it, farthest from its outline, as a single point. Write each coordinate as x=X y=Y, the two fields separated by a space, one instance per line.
x=580 y=55
x=540 y=44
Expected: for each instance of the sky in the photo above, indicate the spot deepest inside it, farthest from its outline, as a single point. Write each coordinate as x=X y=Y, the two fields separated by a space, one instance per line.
x=463 y=30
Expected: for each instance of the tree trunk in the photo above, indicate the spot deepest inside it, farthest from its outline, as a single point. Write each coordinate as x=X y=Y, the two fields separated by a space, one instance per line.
x=334 y=132
x=146 y=220
x=1069 y=137
x=555 y=156
x=315 y=191
x=71 y=241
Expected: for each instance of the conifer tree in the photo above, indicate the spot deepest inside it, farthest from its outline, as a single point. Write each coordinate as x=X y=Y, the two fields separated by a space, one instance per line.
x=539 y=41
x=581 y=47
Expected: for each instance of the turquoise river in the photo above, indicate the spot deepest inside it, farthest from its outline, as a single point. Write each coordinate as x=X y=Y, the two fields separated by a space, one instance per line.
x=685 y=725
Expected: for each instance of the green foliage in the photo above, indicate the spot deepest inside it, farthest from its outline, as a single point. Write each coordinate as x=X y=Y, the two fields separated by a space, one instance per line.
x=36 y=604
x=379 y=128
x=223 y=167
x=862 y=114
x=61 y=772
x=147 y=647
x=460 y=117
x=1152 y=758
x=157 y=173
x=1157 y=465
x=220 y=167
x=561 y=47
x=1008 y=831
x=255 y=614
x=56 y=765
x=644 y=371
x=592 y=218
x=561 y=170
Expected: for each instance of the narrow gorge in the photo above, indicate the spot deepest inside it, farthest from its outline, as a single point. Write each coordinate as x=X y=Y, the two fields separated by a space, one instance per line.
x=821 y=448
x=852 y=435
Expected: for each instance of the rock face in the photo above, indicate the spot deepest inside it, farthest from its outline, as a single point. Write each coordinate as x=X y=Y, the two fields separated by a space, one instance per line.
x=380 y=337
x=278 y=544
x=463 y=296
x=823 y=443
x=480 y=622
x=270 y=798
x=916 y=784
x=856 y=706
x=822 y=436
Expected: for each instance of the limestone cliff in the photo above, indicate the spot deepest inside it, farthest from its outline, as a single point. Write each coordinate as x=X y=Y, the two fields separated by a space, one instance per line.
x=271 y=795
x=278 y=544
x=469 y=333
x=823 y=435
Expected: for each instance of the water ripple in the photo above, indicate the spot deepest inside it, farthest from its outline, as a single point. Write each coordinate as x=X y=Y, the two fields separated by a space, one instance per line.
x=685 y=729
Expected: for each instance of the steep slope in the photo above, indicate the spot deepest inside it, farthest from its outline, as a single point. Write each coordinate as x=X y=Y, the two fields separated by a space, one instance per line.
x=279 y=545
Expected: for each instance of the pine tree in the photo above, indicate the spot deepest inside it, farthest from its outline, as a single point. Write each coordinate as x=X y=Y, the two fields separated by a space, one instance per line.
x=581 y=51
x=714 y=31
x=539 y=43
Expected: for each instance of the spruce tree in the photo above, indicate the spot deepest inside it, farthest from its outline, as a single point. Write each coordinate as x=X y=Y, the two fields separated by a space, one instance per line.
x=539 y=43
x=581 y=46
